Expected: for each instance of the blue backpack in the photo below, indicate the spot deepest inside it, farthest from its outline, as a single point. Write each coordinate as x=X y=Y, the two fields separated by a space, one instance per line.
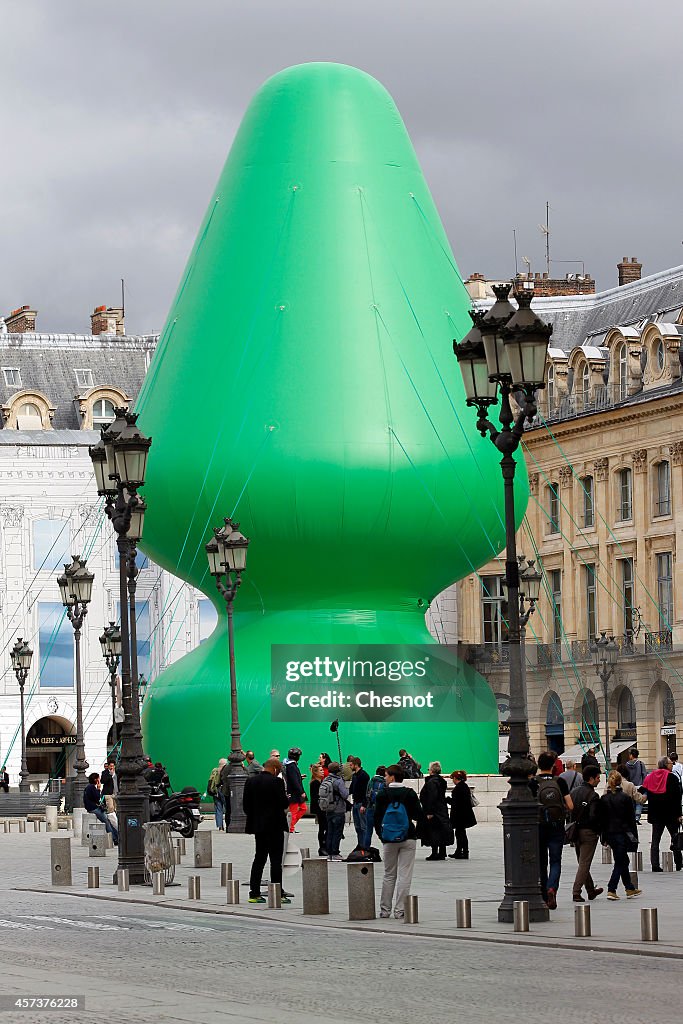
x=395 y=823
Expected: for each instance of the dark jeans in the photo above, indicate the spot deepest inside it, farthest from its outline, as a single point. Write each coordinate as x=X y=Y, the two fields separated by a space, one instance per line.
x=359 y=823
x=269 y=845
x=461 y=842
x=101 y=816
x=657 y=833
x=369 y=827
x=617 y=841
x=335 y=831
x=550 y=843
x=321 y=818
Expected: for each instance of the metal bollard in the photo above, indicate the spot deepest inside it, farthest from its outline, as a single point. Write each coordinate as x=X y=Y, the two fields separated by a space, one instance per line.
x=314 y=884
x=274 y=895
x=649 y=927
x=123 y=879
x=35 y=826
x=194 y=887
x=411 y=910
x=180 y=843
x=463 y=913
x=607 y=855
x=93 y=877
x=634 y=879
x=232 y=891
x=305 y=852
x=22 y=825
x=226 y=873
x=668 y=861
x=582 y=922
x=158 y=887
x=520 y=916
x=639 y=860
x=60 y=861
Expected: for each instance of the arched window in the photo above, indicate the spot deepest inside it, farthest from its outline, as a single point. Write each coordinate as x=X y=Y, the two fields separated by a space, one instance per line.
x=102 y=412
x=659 y=355
x=590 y=718
x=622 y=372
x=626 y=711
x=28 y=417
x=28 y=410
x=668 y=705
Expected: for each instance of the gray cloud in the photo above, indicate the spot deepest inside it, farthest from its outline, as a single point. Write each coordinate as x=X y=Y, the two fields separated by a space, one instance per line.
x=117 y=119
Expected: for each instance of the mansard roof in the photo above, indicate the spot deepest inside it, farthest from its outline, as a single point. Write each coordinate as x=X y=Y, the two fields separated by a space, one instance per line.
x=47 y=364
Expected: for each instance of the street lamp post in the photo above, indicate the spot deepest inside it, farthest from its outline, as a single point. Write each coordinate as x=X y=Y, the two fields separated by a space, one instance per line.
x=21 y=655
x=504 y=355
x=75 y=586
x=111 y=652
x=605 y=655
x=227 y=555
x=120 y=461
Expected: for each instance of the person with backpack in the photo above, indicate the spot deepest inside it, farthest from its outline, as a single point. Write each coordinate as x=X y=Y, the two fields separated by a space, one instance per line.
x=409 y=766
x=399 y=822
x=554 y=802
x=587 y=819
x=636 y=774
x=332 y=800
x=213 y=789
x=375 y=787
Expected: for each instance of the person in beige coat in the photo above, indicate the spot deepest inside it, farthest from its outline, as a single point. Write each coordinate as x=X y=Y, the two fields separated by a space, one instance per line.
x=630 y=790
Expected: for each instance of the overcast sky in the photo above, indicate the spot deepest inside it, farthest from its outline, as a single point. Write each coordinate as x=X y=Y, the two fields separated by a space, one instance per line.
x=117 y=118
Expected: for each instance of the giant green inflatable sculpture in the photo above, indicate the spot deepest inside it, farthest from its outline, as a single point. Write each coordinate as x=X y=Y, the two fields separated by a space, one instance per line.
x=305 y=383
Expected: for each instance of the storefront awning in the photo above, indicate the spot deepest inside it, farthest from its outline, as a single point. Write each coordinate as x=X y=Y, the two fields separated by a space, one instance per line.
x=576 y=752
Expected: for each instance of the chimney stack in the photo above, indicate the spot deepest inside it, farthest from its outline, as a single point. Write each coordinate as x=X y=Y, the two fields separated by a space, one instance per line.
x=21 y=321
x=107 y=320
x=629 y=270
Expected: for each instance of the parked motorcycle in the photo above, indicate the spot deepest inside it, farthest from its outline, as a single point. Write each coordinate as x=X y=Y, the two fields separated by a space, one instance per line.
x=180 y=809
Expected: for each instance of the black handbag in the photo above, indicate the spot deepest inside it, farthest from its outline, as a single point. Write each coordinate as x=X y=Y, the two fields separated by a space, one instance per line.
x=631 y=842
x=570 y=835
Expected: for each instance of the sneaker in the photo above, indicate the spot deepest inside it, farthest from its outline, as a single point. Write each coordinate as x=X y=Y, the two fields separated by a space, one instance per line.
x=580 y=899
x=283 y=899
x=595 y=893
x=612 y=896
x=658 y=869
x=632 y=893
x=287 y=895
x=337 y=859
x=257 y=899
x=384 y=914
x=399 y=915
x=551 y=900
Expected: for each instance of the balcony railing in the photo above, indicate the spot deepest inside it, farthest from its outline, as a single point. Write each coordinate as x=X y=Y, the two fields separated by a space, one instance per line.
x=662 y=641
x=578 y=403
x=491 y=656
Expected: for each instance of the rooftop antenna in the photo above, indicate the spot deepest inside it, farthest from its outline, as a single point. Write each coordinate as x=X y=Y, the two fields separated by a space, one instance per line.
x=545 y=229
x=514 y=239
x=525 y=259
x=123 y=299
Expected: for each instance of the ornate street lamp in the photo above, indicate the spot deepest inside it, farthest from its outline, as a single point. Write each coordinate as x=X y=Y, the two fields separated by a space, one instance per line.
x=21 y=655
x=120 y=460
x=227 y=555
x=110 y=642
x=143 y=683
x=515 y=345
x=605 y=655
x=75 y=587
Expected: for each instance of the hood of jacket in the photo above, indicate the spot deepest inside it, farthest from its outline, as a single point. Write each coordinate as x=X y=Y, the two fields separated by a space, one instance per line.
x=655 y=782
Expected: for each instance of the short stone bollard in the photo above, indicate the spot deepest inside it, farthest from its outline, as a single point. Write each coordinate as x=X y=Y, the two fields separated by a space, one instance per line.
x=582 y=922
x=87 y=821
x=6 y=826
x=411 y=911
x=520 y=916
x=360 y=880
x=93 y=877
x=274 y=896
x=314 y=881
x=60 y=861
x=36 y=826
x=232 y=891
x=463 y=913
x=667 y=861
x=22 y=825
x=51 y=824
x=98 y=842
x=77 y=824
x=202 y=850
x=180 y=843
x=607 y=855
x=109 y=840
x=158 y=886
x=639 y=860
x=649 y=926
x=226 y=873
x=123 y=880
x=194 y=887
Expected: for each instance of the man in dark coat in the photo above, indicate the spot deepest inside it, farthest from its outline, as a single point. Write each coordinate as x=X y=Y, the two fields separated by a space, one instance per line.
x=265 y=805
x=589 y=758
x=4 y=779
x=663 y=810
x=358 y=791
x=439 y=833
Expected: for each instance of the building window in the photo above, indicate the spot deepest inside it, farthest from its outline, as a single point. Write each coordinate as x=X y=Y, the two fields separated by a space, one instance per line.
x=551 y=388
x=28 y=417
x=626 y=711
x=56 y=645
x=556 y=592
x=591 y=612
x=28 y=410
x=585 y=383
x=553 y=506
x=51 y=544
x=83 y=378
x=494 y=610
x=622 y=370
x=659 y=355
x=663 y=498
x=102 y=413
x=588 y=501
x=590 y=718
x=208 y=618
x=624 y=495
x=627 y=594
x=665 y=591
x=668 y=706
x=12 y=377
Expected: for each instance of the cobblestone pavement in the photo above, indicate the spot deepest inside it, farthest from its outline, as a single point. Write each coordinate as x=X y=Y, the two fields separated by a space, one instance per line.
x=146 y=962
